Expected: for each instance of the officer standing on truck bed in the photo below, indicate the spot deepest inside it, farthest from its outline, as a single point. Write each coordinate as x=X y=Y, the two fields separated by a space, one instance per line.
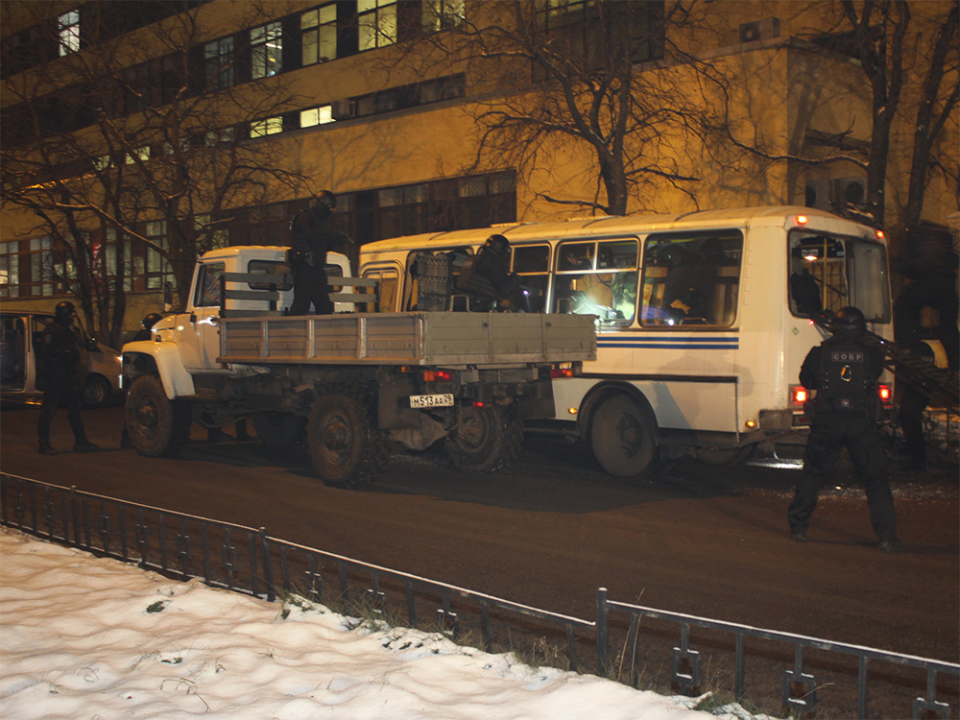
x=58 y=359
x=844 y=371
x=310 y=240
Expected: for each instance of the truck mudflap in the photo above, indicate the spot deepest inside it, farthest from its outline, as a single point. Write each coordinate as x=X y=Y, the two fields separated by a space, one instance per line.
x=166 y=361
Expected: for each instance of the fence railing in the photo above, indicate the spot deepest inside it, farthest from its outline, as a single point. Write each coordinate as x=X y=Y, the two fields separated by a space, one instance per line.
x=250 y=561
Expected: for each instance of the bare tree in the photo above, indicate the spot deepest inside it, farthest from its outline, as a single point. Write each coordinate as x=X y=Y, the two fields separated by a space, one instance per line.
x=143 y=128
x=892 y=46
x=578 y=77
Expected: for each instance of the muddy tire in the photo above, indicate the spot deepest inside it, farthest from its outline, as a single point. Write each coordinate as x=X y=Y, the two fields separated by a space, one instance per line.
x=488 y=439
x=156 y=425
x=279 y=430
x=346 y=447
x=623 y=436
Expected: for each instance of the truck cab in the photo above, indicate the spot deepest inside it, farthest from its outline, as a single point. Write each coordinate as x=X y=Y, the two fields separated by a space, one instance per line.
x=195 y=332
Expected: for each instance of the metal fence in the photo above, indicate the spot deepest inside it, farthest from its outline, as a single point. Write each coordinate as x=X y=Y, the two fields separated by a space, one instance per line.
x=802 y=674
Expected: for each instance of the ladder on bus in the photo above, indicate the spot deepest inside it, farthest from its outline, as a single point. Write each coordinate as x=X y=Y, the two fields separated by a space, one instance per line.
x=939 y=384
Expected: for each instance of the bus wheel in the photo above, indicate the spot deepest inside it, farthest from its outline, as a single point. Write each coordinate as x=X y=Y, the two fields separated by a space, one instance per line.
x=346 y=447
x=488 y=439
x=623 y=436
x=724 y=456
x=279 y=430
x=156 y=425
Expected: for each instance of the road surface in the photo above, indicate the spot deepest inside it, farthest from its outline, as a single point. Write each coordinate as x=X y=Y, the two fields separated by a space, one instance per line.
x=698 y=539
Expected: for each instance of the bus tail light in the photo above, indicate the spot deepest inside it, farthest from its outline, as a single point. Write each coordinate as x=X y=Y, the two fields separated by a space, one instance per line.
x=886 y=396
x=798 y=395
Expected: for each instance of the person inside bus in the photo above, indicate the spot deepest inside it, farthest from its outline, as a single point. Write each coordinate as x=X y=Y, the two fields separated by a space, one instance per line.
x=804 y=290
x=486 y=280
x=682 y=295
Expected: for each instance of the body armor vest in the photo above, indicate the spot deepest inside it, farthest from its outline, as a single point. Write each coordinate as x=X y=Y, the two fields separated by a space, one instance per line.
x=844 y=385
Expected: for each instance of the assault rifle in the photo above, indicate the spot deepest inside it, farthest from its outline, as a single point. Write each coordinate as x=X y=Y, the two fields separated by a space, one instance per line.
x=939 y=384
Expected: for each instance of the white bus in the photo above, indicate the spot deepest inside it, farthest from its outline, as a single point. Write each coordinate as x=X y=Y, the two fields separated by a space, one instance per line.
x=703 y=319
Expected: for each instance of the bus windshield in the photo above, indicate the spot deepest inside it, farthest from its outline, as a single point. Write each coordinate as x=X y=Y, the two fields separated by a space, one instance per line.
x=830 y=272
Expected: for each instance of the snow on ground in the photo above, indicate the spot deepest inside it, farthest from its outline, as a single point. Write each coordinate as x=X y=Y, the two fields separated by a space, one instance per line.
x=86 y=637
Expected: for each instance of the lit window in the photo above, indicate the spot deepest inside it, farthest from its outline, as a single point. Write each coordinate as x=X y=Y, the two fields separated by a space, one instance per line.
x=319 y=34
x=68 y=30
x=102 y=163
x=316 y=116
x=378 y=23
x=269 y=126
x=267 y=48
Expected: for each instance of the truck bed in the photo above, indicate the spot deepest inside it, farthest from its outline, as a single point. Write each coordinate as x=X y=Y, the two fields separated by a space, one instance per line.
x=410 y=338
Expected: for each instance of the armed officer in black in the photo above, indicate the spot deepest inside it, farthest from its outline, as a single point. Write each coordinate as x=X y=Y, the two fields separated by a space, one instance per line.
x=844 y=371
x=310 y=240
x=58 y=359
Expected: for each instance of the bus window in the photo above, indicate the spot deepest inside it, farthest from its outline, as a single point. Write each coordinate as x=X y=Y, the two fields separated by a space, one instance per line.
x=824 y=274
x=389 y=283
x=598 y=278
x=532 y=264
x=691 y=279
x=869 y=282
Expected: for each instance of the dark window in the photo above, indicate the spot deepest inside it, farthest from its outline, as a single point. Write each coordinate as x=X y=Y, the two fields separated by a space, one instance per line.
x=218 y=64
x=587 y=32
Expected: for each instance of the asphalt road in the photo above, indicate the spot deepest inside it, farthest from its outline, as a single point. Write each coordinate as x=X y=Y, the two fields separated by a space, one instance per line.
x=697 y=539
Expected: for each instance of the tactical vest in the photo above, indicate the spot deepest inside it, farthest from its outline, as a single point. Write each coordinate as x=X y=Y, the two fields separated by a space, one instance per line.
x=844 y=384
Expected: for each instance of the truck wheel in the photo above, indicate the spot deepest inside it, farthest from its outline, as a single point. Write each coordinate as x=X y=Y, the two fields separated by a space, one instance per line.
x=488 y=439
x=346 y=447
x=279 y=430
x=95 y=391
x=157 y=426
x=623 y=436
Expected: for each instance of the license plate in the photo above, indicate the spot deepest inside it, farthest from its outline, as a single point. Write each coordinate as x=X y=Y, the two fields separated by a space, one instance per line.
x=428 y=401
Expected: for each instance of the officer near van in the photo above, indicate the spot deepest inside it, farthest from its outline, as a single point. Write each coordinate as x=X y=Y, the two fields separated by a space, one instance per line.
x=844 y=371
x=58 y=360
x=486 y=280
x=310 y=240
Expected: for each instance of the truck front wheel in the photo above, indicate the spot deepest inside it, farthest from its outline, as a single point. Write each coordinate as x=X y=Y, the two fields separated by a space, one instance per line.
x=623 y=436
x=156 y=425
x=488 y=439
x=346 y=447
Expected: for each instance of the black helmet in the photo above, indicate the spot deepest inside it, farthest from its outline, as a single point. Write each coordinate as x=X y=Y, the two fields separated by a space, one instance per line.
x=324 y=203
x=64 y=312
x=499 y=244
x=150 y=320
x=848 y=321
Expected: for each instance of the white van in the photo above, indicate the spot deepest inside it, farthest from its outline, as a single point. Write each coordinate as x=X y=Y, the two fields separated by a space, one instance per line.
x=19 y=333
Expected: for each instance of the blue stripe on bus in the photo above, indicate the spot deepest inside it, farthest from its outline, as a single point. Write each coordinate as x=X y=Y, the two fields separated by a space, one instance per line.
x=674 y=343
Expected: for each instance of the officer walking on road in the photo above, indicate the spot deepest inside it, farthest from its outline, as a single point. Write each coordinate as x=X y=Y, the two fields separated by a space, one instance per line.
x=58 y=358
x=844 y=371
x=310 y=240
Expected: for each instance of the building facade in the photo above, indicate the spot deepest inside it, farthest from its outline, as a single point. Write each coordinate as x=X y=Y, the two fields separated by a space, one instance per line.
x=137 y=134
